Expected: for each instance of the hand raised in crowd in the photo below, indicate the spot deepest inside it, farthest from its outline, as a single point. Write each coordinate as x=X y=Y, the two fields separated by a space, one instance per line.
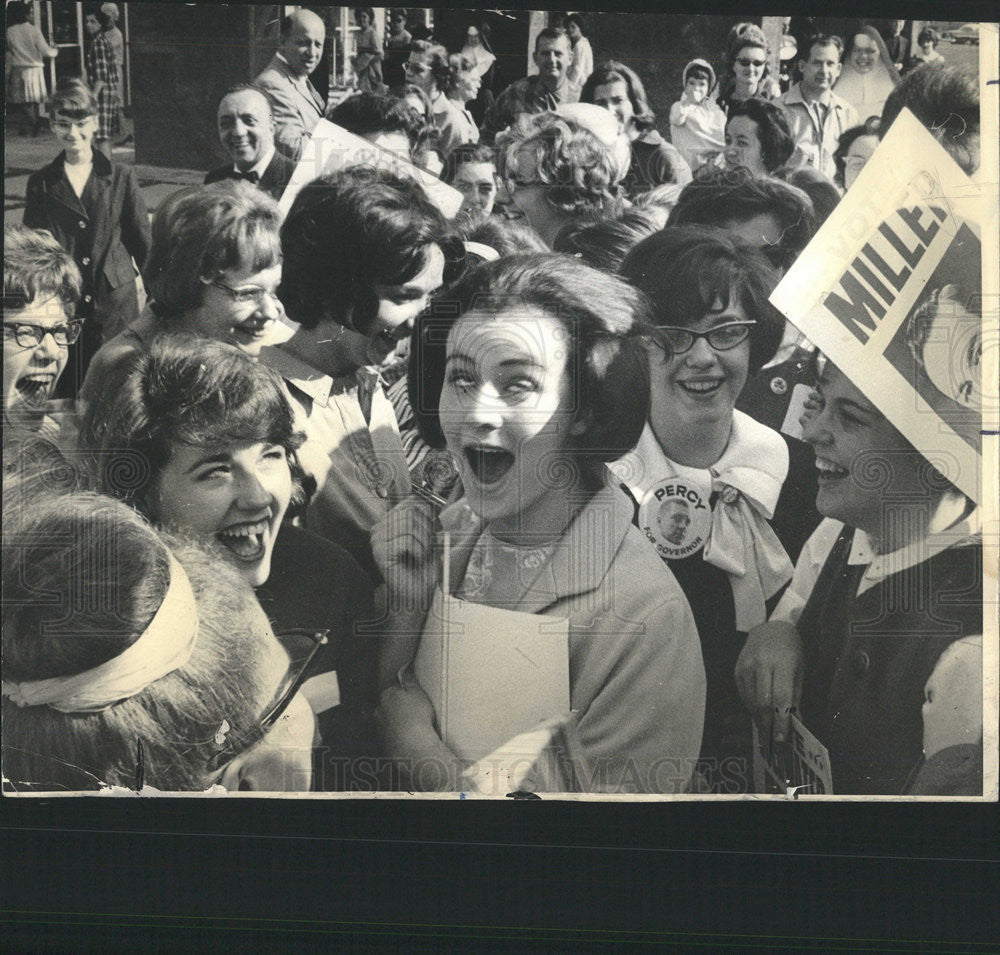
x=769 y=676
x=403 y=544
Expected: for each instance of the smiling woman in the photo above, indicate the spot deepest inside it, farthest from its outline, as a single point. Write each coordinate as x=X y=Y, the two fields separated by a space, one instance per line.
x=213 y=271
x=744 y=483
x=201 y=439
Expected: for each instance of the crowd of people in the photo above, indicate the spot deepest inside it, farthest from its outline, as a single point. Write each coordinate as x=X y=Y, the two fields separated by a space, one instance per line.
x=569 y=403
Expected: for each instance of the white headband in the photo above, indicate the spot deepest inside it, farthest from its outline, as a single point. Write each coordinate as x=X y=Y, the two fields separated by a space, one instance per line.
x=164 y=646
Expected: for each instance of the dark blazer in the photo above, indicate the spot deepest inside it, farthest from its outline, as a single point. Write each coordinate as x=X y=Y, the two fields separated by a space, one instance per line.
x=273 y=182
x=104 y=230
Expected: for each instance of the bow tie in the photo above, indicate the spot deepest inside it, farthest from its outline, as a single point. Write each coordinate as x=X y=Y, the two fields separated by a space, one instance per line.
x=252 y=176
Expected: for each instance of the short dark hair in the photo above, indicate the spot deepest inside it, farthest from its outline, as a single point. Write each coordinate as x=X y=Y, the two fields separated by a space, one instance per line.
x=578 y=20
x=251 y=88
x=822 y=192
x=603 y=243
x=870 y=127
x=395 y=12
x=743 y=35
x=367 y=113
x=823 y=39
x=773 y=129
x=73 y=98
x=37 y=267
x=611 y=71
x=928 y=35
x=552 y=33
x=946 y=100
x=347 y=233
x=203 y=233
x=367 y=10
x=604 y=319
x=717 y=196
x=505 y=236
x=465 y=155
x=183 y=391
x=688 y=271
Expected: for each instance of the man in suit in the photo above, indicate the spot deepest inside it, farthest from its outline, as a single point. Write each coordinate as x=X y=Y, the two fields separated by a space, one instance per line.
x=246 y=130
x=296 y=105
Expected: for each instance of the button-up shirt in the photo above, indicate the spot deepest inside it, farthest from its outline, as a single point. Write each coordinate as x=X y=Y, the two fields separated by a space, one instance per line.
x=817 y=127
x=359 y=464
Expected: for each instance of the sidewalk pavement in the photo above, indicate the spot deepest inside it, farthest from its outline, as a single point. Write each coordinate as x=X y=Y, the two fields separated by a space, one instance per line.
x=23 y=155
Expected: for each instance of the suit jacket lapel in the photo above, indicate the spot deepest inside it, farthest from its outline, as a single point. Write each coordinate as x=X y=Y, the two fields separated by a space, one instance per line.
x=61 y=191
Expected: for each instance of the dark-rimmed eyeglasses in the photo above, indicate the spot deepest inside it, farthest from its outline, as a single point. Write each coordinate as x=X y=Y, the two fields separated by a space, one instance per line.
x=677 y=341
x=302 y=646
x=30 y=336
x=248 y=294
x=65 y=125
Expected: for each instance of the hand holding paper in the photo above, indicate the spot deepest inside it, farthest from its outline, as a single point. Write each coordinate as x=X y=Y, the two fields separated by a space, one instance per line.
x=769 y=676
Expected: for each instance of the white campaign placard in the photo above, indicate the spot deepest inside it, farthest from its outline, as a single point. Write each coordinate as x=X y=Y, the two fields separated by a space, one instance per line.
x=331 y=149
x=902 y=253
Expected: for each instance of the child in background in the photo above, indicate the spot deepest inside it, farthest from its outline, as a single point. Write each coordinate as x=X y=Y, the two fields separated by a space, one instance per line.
x=41 y=286
x=96 y=212
x=697 y=124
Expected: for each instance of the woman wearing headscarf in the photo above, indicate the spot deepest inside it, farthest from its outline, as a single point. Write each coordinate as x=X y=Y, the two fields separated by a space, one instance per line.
x=868 y=76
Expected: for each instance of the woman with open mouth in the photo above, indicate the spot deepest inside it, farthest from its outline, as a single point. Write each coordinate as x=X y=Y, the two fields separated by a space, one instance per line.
x=41 y=286
x=530 y=372
x=750 y=491
x=213 y=271
x=201 y=439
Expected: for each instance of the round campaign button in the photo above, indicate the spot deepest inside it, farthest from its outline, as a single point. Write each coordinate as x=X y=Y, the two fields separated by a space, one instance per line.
x=779 y=386
x=675 y=516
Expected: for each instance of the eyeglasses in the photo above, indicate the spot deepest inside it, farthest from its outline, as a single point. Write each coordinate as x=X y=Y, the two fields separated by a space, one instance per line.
x=248 y=295
x=416 y=68
x=30 y=336
x=746 y=61
x=677 y=341
x=302 y=646
x=65 y=125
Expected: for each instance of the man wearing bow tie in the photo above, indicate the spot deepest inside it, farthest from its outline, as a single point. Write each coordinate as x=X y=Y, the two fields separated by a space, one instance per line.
x=296 y=104
x=246 y=130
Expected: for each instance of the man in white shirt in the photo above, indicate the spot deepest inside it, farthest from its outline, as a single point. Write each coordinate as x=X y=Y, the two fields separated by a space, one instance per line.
x=818 y=116
x=296 y=104
x=246 y=131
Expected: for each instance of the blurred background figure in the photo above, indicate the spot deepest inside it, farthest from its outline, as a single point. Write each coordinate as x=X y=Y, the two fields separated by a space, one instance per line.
x=27 y=51
x=582 y=64
x=696 y=121
x=368 y=60
x=103 y=77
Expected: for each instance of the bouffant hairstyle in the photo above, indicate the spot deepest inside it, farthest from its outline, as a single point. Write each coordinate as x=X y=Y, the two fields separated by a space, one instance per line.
x=349 y=232
x=104 y=573
x=773 y=130
x=436 y=57
x=204 y=232
x=578 y=169
x=718 y=196
x=603 y=243
x=603 y=318
x=689 y=272
x=611 y=71
x=37 y=267
x=183 y=391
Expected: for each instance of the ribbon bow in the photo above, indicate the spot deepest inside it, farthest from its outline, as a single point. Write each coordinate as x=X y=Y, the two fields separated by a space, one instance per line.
x=253 y=177
x=744 y=545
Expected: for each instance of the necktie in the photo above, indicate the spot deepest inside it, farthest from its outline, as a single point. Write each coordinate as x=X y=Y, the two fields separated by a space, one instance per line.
x=253 y=177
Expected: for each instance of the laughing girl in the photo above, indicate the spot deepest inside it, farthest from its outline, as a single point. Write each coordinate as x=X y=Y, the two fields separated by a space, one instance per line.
x=531 y=373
